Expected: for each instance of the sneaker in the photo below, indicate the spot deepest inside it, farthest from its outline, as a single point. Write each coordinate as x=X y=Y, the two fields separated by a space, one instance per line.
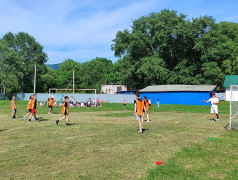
x=140 y=131
x=67 y=124
x=29 y=120
x=37 y=120
x=148 y=120
x=217 y=120
x=57 y=122
x=213 y=120
x=24 y=117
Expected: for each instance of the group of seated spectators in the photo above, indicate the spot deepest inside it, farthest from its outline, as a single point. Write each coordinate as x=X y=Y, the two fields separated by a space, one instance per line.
x=74 y=103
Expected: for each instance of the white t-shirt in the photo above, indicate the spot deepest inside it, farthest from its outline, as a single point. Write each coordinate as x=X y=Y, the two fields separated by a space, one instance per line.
x=214 y=100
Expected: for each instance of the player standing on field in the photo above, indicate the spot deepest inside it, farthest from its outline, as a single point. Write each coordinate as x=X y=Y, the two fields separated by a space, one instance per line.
x=214 y=106
x=50 y=104
x=13 y=107
x=147 y=105
x=138 y=111
x=65 y=111
x=124 y=103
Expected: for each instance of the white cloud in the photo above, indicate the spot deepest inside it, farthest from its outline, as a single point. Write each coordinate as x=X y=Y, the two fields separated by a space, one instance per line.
x=77 y=29
x=77 y=25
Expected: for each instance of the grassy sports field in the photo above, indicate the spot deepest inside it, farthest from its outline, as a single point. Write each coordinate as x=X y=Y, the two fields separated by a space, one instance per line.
x=103 y=143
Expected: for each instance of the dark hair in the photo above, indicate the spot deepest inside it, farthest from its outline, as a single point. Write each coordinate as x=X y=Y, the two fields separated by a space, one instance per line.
x=66 y=97
x=137 y=94
x=145 y=97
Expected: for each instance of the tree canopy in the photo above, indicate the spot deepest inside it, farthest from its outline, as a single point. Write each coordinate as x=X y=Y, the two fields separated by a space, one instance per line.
x=167 y=48
x=160 y=48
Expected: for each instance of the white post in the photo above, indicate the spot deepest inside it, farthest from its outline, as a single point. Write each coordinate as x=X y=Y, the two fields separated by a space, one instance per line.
x=35 y=80
x=73 y=81
x=95 y=98
x=230 y=107
x=73 y=77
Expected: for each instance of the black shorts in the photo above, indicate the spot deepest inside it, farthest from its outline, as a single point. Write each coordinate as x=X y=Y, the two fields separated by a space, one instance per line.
x=149 y=104
x=124 y=105
x=29 y=110
x=65 y=113
x=50 y=107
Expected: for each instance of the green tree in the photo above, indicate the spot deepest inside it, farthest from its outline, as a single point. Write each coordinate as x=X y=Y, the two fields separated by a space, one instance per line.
x=22 y=52
x=96 y=72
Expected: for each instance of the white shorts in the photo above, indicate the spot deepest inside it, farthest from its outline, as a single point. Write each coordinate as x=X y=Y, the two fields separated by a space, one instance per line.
x=138 y=118
x=214 y=109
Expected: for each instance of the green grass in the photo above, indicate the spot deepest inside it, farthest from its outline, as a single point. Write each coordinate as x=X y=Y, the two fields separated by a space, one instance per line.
x=21 y=108
x=217 y=160
x=103 y=143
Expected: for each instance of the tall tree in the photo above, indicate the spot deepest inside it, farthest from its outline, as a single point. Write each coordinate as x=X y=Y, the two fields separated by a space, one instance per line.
x=25 y=52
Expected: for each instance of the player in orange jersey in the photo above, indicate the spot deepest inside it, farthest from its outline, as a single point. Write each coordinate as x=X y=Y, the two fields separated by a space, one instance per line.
x=147 y=106
x=65 y=111
x=28 y=107
x=50 y=104
x=138 y=111
x=13 y=107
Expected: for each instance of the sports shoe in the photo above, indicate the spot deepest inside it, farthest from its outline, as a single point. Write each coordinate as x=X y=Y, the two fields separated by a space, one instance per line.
x=24 y=117
x=140 y=131
x=57 y=122
x=67 y=124
x=37 y=120
x=217 y=120
x=148 y=120
x=29 y=120
x=213 y=120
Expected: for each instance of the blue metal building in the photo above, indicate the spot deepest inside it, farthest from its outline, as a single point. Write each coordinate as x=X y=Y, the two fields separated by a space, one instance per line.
x=178 y=94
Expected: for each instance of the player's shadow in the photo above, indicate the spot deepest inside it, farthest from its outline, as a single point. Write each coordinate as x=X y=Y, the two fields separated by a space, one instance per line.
x=19 y=117
x=72 y=124
x=42 y=119
x=143 y=130
x=3 y=130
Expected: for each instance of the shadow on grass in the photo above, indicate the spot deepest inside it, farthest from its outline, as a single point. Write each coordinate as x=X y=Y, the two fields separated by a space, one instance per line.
x=143 y=130
x=72 y=124
x=3 y=130
x=42 y=119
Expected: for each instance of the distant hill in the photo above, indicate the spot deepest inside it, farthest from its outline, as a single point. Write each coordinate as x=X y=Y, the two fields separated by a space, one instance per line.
x=53 y=66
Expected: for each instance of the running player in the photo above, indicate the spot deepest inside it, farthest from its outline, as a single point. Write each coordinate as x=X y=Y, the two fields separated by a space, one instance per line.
x=13 y=107
x=28 y=107
x=214 y=106
x=33 y=108
x=50 y=104
x=65 y=111
x=138 y=111
x=147 y=106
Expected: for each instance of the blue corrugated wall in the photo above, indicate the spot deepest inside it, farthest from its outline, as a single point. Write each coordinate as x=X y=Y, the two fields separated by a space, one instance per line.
x=185 y=98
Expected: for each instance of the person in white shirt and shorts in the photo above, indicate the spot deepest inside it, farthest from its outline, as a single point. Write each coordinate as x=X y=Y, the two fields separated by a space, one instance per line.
x=214 y=106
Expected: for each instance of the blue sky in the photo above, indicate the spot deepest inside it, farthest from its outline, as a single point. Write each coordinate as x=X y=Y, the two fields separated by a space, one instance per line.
x=84 y=29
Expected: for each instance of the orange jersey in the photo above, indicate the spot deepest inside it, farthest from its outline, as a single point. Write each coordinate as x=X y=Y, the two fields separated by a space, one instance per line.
x=67 y=108
x=147 y=105
x=29 y=104
x=13 y=104
x=32 y=103
x=139 y=106
x=51 y=102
